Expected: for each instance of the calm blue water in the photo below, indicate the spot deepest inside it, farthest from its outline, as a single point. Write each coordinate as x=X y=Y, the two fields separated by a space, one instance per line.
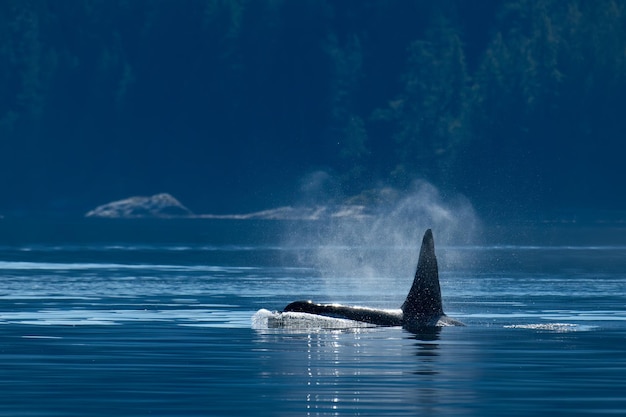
x=154 y=318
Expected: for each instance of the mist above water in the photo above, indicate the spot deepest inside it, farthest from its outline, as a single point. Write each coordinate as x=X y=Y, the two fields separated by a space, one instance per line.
x=383 y=245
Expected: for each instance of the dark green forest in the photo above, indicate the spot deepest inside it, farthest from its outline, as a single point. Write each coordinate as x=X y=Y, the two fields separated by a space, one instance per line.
x=228 y=104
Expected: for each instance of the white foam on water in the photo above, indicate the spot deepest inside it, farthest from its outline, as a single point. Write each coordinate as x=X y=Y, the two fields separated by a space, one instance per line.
x=551 y=327
x=265 y=319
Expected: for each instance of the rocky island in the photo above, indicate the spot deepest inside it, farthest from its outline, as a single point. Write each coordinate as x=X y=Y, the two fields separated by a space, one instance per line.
x=159 y=205
x=369 y=203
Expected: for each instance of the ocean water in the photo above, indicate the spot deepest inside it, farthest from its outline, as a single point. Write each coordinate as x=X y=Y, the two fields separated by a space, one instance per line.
x=166 y=318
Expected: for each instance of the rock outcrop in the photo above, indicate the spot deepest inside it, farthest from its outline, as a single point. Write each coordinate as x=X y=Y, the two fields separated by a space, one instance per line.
x=279 y=213
x=159 y=205
x=297 y=213
x=364 y=205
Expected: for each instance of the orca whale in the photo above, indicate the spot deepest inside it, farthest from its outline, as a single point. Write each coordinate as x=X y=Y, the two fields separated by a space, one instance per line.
x=421 y=309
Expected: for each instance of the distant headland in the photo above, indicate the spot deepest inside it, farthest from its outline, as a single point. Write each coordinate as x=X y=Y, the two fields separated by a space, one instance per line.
x=161 y=205
x=164 y=205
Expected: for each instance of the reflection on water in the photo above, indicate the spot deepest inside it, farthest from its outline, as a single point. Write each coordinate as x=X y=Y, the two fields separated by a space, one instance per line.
x=427 y=349
x=367 y=372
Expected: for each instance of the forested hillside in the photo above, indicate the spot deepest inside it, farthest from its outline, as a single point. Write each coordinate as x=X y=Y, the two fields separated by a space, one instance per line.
x=227 y=104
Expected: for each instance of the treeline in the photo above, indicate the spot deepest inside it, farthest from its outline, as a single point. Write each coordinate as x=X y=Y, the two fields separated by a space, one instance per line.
x=516 y=101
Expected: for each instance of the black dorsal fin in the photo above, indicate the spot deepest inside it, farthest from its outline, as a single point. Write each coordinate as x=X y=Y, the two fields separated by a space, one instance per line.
x=424 y=300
